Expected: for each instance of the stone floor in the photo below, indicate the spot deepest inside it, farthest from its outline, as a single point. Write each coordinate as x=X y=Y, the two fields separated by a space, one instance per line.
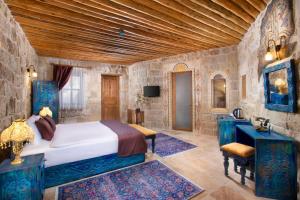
x=204 y=167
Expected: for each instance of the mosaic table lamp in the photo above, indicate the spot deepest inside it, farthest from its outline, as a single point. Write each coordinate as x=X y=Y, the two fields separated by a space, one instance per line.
x=15 y=136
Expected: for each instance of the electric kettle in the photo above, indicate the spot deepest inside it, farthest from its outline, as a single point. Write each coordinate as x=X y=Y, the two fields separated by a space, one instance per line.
x=237 y=113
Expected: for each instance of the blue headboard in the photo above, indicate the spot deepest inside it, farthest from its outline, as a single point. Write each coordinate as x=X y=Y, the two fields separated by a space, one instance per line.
x=45 y=93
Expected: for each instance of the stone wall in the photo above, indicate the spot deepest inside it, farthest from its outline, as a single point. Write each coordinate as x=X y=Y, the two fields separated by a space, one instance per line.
x=253 y=105
x=92 y=87
x=204 y=65
x=16 y=54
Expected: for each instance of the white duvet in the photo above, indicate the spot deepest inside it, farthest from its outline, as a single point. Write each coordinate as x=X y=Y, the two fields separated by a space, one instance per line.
x=78 y=133
x=73 y=142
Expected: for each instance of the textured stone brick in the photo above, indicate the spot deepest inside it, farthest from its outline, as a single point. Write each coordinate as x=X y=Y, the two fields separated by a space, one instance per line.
x=203 y=64
x=14 y=90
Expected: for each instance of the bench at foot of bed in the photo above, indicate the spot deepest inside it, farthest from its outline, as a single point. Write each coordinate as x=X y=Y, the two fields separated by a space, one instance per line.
x=60 y=174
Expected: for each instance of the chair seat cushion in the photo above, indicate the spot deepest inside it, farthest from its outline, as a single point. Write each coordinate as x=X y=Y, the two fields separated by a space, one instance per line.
x=238 y=149
x=143 y=130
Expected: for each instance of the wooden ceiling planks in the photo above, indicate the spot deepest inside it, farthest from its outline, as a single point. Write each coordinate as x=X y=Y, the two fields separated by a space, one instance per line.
x=90 y=29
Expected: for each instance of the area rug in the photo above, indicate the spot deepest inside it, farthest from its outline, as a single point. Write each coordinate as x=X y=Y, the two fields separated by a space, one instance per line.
x=166 y=145
x=151 y=180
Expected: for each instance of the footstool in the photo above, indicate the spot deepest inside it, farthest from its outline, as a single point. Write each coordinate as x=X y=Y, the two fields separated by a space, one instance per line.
x=149 y=134
x=242 y=155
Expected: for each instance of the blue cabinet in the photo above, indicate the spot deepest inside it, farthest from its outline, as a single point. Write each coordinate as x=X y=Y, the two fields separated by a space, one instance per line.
x=275 y=162
x=226 y=128
x=24 y=181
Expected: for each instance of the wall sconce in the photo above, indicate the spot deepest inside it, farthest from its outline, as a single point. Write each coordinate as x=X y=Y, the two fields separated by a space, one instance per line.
x=31 y=71
x=278 y=47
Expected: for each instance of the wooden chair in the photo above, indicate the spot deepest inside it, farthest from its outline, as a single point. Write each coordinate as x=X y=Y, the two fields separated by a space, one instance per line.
x=242 y=155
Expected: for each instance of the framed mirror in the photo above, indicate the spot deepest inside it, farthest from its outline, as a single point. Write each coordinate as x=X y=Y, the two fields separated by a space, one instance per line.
x=280 y=87
x=219 y=91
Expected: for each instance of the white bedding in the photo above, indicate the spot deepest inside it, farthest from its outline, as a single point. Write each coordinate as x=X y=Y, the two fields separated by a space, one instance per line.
x=73 y=142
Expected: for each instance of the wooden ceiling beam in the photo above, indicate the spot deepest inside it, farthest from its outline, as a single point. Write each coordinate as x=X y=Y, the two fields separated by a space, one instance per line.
x=29 y=24
x=258 y=4
x=208 y=4
x=43 y=17
x=86 y=20
x=134 y=30
x=39 y=34
x=212 y=15
x=164 y=26
x=62 y=26
x=78 y=55
x=69 y=47
x=185 y=14
x=206 y=39
x=232 y=7
x=247 y=7
x=160 y=30
x=129 y=31
x=148 y=8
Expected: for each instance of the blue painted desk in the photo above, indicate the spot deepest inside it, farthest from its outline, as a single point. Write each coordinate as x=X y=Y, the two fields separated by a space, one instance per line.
x=24 y=181
x=226 y=128
x=275 y=162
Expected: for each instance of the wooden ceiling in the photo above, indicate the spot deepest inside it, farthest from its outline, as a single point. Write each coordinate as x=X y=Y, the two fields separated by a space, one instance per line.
x=92 y=29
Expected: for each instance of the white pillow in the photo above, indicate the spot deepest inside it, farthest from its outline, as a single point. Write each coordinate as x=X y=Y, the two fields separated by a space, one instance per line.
x=31 y=122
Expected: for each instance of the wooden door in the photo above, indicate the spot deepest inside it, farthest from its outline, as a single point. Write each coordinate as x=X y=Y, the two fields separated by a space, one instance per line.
x=182 y=100
x=110 y=98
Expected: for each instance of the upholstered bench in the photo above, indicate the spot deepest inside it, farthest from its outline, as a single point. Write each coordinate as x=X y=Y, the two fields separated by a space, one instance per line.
x=149 y=134
x=243 y=156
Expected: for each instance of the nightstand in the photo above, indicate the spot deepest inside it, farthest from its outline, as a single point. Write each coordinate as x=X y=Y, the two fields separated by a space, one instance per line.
x=24 y=181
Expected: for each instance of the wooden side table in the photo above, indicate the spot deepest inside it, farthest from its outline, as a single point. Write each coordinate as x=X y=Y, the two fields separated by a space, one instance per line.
x=24 y=181
x=135 y=117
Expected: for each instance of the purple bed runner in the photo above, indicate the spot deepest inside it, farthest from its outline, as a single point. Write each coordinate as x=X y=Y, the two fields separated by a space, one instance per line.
x=131 y=141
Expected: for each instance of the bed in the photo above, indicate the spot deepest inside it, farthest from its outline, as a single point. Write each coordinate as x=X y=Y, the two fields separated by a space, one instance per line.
x=80 y=150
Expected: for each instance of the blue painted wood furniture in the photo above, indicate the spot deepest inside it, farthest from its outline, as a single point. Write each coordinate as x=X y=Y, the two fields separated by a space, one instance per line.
x=45 y=93
x=60 y=174
x=276 y=101
x=275 y=162
x=226 y=128
x=24 y=181
x=242 y=155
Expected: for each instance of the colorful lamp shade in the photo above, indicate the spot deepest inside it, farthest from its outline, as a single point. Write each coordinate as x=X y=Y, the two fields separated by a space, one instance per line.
x=15 y=136
x=46 y=111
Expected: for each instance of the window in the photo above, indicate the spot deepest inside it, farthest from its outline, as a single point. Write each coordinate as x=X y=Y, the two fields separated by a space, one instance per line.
x=71 y=96
x=219 y=91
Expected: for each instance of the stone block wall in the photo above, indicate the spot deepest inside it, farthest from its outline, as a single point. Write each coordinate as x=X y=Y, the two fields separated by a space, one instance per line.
x=204 y=66
x=92 y=87
x=253 y=105
x=16 y=54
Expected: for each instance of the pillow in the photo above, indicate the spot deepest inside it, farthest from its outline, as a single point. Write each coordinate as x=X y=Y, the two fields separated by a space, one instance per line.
x=45 y=129
x=30 y=121
x=51 y=122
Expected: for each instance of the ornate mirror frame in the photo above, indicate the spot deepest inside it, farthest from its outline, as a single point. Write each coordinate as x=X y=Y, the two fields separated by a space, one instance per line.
x=291 y=80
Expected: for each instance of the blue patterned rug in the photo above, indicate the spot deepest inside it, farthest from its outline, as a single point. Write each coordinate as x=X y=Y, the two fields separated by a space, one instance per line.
x=151 y=180
x=166 y=145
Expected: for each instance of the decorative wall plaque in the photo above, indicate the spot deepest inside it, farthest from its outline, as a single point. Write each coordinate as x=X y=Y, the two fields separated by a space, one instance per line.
x=278 y=21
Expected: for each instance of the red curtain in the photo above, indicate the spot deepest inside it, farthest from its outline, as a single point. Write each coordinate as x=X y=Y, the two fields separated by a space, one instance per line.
x=61 y=74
